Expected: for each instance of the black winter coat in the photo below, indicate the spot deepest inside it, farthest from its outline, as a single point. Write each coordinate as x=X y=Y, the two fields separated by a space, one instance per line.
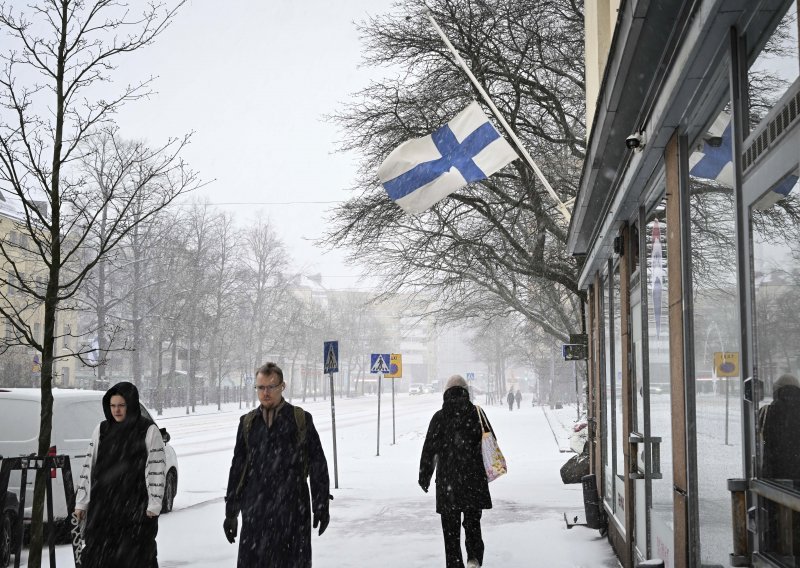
x=453 y=447
x=118 y=531
x=781 y=425
x=274 y=502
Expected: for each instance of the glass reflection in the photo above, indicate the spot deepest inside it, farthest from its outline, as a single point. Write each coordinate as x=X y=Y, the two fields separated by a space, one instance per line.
x=716 y=337
x=776 y=271
x=660 y=395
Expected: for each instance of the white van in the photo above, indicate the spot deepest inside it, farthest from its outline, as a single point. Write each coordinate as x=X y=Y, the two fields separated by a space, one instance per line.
x=75 y=415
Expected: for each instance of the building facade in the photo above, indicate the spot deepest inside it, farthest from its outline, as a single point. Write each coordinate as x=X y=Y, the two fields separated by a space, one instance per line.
x=20 y=363
x=687 y=222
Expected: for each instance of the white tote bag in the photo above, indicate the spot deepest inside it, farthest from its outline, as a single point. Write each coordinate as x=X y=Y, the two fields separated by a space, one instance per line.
x=494 y=463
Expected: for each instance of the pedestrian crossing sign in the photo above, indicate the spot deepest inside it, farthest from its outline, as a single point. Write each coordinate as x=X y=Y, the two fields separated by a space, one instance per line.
x=379 y=363
x=330 y=356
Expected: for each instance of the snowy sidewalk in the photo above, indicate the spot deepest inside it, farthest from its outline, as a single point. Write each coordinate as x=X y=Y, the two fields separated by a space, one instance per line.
x=560 y=421
x=380 y=516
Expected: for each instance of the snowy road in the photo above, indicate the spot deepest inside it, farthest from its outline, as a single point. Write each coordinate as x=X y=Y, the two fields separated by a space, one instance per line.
x=380 y=517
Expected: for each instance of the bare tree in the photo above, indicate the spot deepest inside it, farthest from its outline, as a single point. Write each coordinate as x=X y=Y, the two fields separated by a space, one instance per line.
x=55 y=60
x=496 y=246
x=223 y=289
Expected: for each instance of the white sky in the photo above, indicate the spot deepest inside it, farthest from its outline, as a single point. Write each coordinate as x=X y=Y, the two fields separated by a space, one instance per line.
x=379 y=516
x=253 y=81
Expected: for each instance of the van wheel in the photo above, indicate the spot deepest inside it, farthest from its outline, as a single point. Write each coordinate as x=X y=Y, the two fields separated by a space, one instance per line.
x=5 y=540
x=170 y=489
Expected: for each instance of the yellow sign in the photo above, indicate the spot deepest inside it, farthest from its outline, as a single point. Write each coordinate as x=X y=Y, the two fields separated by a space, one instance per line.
x=726 y=363
x=395 y=366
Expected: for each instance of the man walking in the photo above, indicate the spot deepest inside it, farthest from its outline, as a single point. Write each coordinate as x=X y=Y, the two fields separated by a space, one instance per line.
x=277 y=448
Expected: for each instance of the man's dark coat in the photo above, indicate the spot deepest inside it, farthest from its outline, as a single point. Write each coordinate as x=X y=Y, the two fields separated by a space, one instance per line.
x=274 y=501
x=453 y=447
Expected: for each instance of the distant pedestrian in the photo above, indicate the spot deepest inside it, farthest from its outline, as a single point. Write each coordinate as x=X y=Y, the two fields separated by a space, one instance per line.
x=510 y=399
x=121 y=485
x=518 y=398
x=277 y=447
x=453 y=448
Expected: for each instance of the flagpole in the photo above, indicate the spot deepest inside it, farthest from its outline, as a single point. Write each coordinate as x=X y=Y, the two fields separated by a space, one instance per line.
x=517 y=142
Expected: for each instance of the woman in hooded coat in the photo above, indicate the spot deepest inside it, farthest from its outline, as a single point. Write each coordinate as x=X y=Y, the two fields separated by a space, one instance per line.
x=121 y=485
x=453 y=448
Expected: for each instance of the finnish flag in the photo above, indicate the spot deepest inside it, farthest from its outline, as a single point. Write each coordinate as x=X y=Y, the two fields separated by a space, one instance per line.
x=715 y=162
x=423 y=171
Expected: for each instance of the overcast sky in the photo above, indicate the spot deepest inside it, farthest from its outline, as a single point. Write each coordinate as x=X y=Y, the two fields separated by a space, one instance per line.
x=253 y=81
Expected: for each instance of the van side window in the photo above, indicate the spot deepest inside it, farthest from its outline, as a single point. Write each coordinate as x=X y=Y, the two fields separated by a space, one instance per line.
x=77 y=421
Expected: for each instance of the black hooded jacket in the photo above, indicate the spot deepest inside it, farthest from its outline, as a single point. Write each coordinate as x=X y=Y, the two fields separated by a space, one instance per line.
x=780 y=427
x=453 y=448
x=118 y=531
x=118 y=475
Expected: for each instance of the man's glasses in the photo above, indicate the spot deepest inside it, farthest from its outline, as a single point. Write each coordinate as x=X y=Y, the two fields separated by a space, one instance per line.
x=269 y=388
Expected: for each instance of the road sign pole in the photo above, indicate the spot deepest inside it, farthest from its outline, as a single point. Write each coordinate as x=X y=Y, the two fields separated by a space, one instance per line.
x=393 y=440
x=380 y=377
x=333 y=427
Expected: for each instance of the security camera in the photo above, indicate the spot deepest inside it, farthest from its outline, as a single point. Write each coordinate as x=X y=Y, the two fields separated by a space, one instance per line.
x=635 y=141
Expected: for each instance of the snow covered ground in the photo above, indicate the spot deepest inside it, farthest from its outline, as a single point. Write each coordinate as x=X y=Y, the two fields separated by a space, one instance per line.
x=380 y=517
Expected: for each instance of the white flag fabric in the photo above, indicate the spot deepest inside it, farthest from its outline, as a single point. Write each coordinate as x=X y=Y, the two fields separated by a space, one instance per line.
x=423 y=171
x=716 y=163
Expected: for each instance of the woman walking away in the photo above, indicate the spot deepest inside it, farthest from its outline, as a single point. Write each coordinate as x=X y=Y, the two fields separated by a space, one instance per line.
x=121 y=485
x=510 y=399
x=453 y=448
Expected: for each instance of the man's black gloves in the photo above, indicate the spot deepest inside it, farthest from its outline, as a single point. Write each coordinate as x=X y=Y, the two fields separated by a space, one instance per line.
x=231 y=525
x=424 y=486
x=322 y=518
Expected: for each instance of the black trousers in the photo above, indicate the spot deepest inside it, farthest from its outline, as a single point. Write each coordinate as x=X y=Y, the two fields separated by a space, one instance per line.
x=451 y=528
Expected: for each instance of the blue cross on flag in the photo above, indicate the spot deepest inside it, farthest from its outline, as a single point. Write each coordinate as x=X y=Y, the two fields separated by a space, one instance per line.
x=423 y=171
x=716 y=163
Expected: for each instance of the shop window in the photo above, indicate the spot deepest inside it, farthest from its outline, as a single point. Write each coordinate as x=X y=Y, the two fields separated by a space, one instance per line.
x=608 y=396
x=776 y=273
x=619 y=455
x=614 y=490
x=716 y=330
x=660 y=406
x=775 y=68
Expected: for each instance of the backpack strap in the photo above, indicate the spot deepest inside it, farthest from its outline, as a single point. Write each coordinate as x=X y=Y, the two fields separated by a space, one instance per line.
x=247 y=424
x=300 y=419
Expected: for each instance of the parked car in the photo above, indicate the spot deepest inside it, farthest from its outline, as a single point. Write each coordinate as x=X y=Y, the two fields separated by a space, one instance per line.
x=8 y=525
x=415 y=388
x=75 y=415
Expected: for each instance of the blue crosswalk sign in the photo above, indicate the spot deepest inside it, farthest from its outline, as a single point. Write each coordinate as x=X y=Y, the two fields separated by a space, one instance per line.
x=330 y=356
x=379 y=363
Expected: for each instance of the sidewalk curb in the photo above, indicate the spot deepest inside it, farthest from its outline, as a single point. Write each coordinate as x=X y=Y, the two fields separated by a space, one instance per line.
x=555 y=436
